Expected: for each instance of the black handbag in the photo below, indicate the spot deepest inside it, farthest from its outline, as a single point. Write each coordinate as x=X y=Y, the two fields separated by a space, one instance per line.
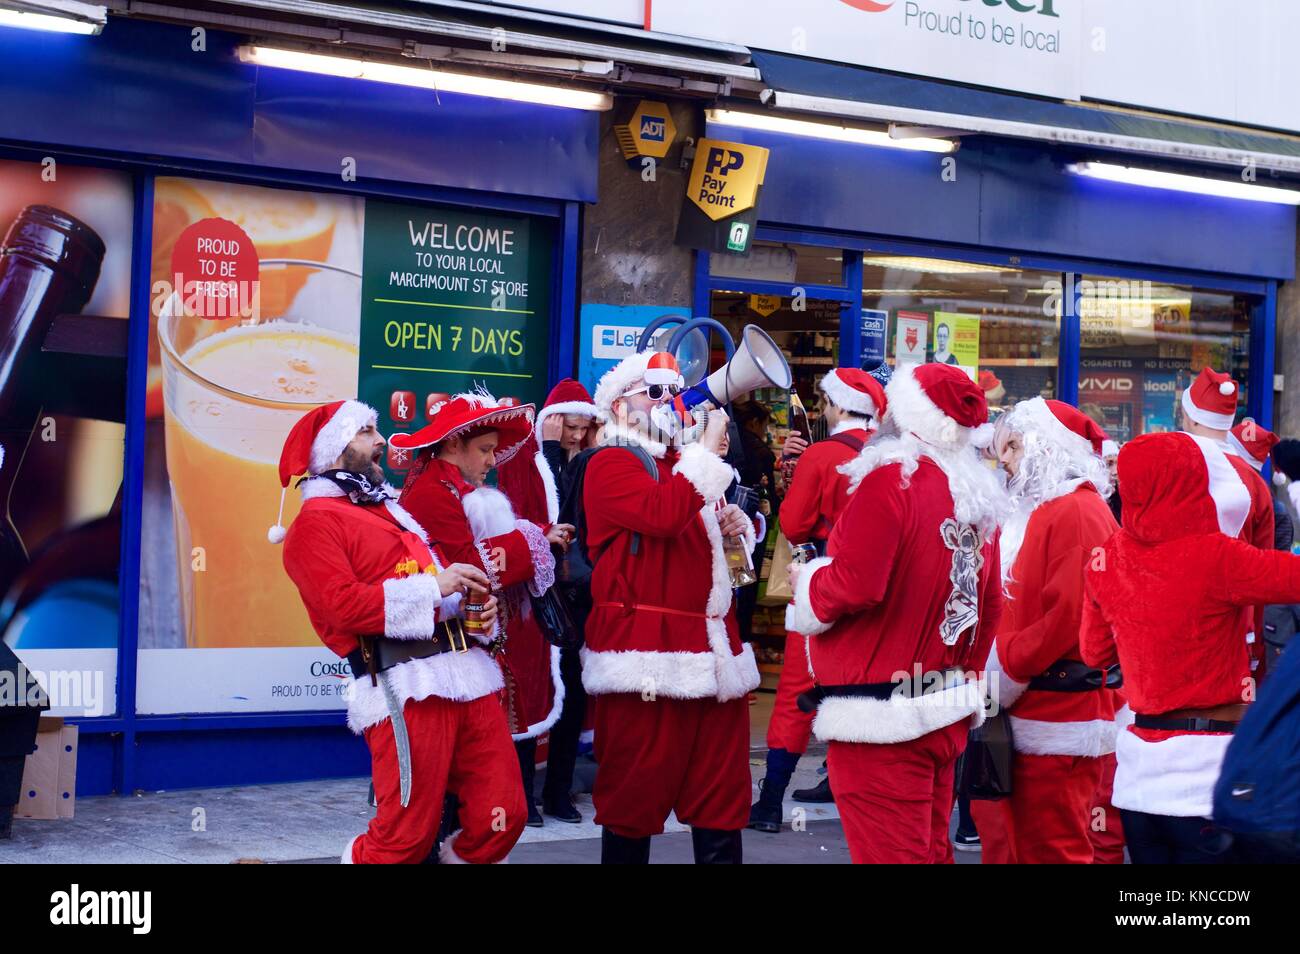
x=985 y=770
x=555 y=621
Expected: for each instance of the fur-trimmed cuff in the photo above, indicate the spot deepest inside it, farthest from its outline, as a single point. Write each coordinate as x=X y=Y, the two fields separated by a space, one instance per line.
x=1003 y=690
x=346 y=857
x=706 y=471
x=799 y=615
x=897 y=719
x=410 y=605
x=539 y=548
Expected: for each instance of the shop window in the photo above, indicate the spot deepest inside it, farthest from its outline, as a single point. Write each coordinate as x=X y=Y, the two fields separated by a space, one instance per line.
x=62 y=414
x=783 y=262
x=1142 y=343
x=1000 y=324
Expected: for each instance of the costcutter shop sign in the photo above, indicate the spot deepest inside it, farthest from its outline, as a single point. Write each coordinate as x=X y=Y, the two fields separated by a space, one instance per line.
x=1021 y=46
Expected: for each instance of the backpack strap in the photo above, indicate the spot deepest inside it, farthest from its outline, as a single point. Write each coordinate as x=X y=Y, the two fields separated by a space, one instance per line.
x=848 y=440
x=651 y=468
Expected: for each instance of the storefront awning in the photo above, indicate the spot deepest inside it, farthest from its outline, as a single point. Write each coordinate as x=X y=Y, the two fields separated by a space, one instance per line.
x=810 y=86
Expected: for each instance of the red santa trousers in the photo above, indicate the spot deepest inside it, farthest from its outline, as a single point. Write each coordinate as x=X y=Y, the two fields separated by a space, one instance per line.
x=462 y=747
x=690 y=756
x=1047 y=819
x=895 y=800
x=1107 y=830
x=789 y=728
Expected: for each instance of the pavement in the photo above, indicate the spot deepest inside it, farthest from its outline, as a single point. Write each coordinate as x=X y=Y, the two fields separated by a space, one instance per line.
x=310 y=822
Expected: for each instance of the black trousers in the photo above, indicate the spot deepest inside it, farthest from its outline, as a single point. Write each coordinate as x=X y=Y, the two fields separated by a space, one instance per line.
x=1174 y=840
x=562 y=754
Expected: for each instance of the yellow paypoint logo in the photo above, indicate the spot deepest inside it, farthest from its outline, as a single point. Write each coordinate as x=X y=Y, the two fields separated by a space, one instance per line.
x=725 y=177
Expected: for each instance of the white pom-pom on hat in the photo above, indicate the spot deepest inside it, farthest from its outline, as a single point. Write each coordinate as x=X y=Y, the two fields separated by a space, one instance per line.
x=1226 y=387
x=277 y=534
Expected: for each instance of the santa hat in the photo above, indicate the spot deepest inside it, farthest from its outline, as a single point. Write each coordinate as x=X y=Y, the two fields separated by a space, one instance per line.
x=527 y=478
x=634 y=371
x=1109 y=448
x=855 y=391
x=940 y=404
x=991 y=386
x=1251 y=443
x=1064 y=425
x=1211 y=401
x=479 y=411
x=315 y=442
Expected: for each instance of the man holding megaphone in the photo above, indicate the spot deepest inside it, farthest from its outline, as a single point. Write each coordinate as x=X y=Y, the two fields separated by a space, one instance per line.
x=663 y=660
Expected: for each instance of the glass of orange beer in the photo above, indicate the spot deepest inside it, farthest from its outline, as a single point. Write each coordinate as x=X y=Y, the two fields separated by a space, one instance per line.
x=232 y=389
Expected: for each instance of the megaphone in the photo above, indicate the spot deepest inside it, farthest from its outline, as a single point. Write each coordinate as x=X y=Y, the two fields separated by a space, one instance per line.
x=756 y=363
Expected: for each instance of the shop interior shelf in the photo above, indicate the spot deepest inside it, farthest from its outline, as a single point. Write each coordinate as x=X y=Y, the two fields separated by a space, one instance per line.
x=1018 y=362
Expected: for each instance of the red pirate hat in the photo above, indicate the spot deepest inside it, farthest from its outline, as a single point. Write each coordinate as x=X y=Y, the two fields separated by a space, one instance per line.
x=512 y=421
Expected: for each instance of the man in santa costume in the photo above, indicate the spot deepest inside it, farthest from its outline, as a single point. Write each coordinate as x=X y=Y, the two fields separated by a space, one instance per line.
x=1061 y=711
x=422 y=694
x=902 y=612
x=853 y=403
x=1164 y=601
x=464 y=440
x=663 y=658
x=1209 y=407
x=532 y=480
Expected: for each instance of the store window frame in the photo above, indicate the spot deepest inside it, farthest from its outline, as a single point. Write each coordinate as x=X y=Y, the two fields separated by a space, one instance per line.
x=125 y=725
x=1071 y=271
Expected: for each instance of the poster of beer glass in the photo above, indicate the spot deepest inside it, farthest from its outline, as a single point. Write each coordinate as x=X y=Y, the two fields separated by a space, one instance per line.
x=66 y=232
x=222 y=627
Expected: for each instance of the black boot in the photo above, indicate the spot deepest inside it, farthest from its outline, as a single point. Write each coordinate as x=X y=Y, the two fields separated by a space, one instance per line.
x=821 y=792
x=617 y=850
x=527 y=750
x=715 y=847
x=765 y=815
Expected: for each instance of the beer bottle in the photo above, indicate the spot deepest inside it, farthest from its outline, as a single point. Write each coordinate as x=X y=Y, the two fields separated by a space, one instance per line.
x=49 y=264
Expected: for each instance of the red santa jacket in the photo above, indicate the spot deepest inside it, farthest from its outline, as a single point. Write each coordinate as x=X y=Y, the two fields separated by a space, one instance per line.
x=351 y=564
x=1040 y=625
x=903 y=591
x=434 y=498
x=1258 y=532
x=818 y=493
x=662 y=620
x=1165 y=603
x=469 y=524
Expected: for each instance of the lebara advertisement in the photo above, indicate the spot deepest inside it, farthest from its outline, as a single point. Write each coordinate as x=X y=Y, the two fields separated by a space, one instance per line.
x=266 y=304
x=61 y=430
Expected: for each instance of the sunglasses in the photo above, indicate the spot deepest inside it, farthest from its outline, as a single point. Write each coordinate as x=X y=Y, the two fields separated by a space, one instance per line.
x=656 y=392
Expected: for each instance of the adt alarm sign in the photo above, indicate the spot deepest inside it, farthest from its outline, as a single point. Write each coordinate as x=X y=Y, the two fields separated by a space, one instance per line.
x=874 y=324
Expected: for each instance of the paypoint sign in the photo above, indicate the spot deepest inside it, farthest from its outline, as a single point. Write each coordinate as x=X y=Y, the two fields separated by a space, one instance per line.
x=725 y=177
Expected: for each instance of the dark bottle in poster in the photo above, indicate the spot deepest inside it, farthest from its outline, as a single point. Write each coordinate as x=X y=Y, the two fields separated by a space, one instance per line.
x=49 y=264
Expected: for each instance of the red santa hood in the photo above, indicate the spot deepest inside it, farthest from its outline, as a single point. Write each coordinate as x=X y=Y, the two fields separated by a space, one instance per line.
x=1165 y=489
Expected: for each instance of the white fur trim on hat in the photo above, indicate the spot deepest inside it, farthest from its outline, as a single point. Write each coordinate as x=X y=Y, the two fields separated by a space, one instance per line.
x=1219 y=422
x=623 y=377
x=1109 y=448
x=912 y=410
x=1049 y=426
x=579 y=408
x=850 y=399
x=332 y=439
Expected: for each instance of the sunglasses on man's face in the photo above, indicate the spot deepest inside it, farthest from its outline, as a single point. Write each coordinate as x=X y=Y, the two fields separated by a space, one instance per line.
x=657 y=392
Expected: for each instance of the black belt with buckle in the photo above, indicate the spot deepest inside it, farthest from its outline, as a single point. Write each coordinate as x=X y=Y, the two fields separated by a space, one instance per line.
x=1070 y=675
x=385 y=652
x=1183 y=725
